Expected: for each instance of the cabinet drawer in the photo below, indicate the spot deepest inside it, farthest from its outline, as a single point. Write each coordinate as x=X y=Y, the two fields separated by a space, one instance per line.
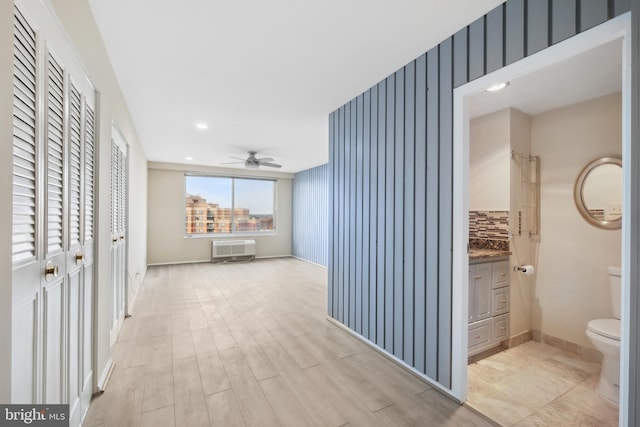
x=500 y=327
x=500 y=301
x=479 y=334
x=500 y=274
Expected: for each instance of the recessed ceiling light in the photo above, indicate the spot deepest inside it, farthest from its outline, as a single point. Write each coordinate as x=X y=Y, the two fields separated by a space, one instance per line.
x=498 y=86
x=202 y=126
x=188 y=158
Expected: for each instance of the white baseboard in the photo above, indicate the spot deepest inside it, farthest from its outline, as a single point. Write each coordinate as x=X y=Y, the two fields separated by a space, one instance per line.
x=104 y=378
x=273 y=256
x=132 y=305
x=155 y=264
x=310 y=262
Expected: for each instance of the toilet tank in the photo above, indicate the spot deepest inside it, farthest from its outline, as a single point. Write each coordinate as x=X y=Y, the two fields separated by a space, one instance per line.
x=615 y=285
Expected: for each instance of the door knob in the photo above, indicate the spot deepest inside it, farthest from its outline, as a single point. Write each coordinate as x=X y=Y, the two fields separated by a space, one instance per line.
x=79 y=257
x=115 y=239
x=50 y=271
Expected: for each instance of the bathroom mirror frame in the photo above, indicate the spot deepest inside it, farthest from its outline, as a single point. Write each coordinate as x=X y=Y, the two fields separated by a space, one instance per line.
x=578 y=193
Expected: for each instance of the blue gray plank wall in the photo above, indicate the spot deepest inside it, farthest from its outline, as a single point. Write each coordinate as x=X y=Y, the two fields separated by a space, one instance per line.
x=310 y=215
x=390 y=180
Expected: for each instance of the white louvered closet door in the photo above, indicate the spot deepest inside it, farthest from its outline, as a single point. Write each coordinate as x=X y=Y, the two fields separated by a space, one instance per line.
x=119 y=173
x=53 y=207
x=88 y=264
x=26 y=246
x=53 y=283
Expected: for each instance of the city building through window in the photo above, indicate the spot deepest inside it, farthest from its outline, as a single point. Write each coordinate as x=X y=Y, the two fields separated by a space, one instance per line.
x=226 y=205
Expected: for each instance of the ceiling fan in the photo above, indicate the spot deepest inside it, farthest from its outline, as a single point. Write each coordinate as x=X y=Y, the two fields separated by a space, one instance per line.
x=252 y=162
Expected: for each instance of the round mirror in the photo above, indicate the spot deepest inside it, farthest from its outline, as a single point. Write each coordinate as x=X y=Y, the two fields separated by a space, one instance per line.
x=598 y=193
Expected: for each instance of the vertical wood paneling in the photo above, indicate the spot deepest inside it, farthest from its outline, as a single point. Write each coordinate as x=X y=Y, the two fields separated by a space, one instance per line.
x=310 y=215
x=563 y=19
x=366 y=202
x=389 y=211
x=431 y=338
x=392 y=172
x=621 y=6
x=461 y=70
x=357 y=212
x=382 y=203
x=373 y=218
x=342 y=212
x=398 y=216
x=515 y=31
x=495 y=39
x=537 y=25
x=592 y=13
x=476 y=49
x=332 y=183
x=351 y=261
x=347 y=285
x=445 y=204
x=420 y=216
x=408 y=214
x=335 y=211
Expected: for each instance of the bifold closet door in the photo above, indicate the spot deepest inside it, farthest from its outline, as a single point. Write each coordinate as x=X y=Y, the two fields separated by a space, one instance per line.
x=27 y=256
x=53 y=208
x=119 y=173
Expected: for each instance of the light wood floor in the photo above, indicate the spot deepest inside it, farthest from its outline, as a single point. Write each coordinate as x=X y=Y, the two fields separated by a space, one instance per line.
x=536 y=384
x=249 y=344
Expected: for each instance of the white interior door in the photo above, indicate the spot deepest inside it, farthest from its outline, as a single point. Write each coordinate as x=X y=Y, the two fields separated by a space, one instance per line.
x=53 y=186
x=79 y=253
x=87 y=253
x=27 y=205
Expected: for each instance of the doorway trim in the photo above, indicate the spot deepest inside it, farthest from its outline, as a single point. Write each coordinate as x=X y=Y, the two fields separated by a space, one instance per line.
x=617 y=28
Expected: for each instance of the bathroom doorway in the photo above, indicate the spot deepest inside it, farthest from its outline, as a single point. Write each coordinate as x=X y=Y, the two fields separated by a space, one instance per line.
x=533 y=79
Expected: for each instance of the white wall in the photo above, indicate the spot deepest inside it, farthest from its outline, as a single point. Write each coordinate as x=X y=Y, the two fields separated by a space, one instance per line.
x=78 y=22
x=166 y=235
x=571 y=283
x=489 y=154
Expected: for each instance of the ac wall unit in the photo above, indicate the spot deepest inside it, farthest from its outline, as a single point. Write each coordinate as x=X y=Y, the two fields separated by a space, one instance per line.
x=233 y=250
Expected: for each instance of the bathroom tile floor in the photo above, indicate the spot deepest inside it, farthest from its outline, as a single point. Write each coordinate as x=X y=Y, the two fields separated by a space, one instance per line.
x=536 y=384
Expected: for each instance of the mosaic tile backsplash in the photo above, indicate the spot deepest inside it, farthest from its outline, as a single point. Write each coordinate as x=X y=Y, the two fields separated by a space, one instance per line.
x=490 y=225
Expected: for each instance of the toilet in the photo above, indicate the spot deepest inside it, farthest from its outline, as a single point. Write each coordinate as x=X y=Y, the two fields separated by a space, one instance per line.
x=605 y=336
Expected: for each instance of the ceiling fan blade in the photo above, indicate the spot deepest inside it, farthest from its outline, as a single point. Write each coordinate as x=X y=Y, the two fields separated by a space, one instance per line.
x=265 y=159
x=232 y=163
x=237 y=158
x=271 y=165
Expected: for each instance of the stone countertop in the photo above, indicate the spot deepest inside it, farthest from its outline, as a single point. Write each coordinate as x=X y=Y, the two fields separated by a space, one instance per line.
x=488 y=254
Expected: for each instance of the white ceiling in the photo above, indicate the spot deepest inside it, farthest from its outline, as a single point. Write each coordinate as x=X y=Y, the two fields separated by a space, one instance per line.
x=594 y=73
x=263 y=75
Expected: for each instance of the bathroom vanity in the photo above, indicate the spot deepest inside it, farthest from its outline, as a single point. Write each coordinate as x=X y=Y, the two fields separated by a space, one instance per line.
x=488 y=315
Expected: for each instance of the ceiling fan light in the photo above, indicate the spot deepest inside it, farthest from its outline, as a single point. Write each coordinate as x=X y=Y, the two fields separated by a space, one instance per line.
x=250 y=165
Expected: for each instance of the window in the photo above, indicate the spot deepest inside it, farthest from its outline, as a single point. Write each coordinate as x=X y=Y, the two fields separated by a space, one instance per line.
x=225 y=205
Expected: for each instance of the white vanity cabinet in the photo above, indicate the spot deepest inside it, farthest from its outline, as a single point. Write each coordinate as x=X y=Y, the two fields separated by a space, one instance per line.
x=479 y=292
x=488 y=305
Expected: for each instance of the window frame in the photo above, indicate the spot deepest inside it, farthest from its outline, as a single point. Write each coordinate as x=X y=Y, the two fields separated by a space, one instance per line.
x=233 y=233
